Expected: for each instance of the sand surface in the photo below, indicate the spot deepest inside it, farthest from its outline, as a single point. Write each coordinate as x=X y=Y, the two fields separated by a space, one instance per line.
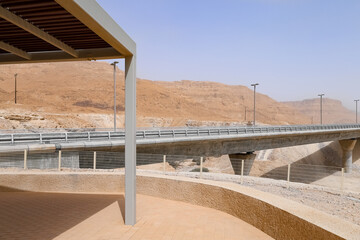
x=36 y=216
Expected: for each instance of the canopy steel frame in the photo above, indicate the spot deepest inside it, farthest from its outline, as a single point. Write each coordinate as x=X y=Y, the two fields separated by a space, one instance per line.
x=30 y=35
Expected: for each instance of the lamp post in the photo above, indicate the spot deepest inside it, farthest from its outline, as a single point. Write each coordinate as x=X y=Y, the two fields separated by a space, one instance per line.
x=254 y=85
x=114 y=64
x=356 y=109
x=321 y=96
x=15 y=75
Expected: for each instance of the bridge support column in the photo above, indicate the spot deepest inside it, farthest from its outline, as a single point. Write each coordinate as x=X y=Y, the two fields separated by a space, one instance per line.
x=347 y=147
x=236 y=159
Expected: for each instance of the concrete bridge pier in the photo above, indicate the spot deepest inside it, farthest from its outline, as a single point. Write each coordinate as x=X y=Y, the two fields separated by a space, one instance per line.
x=236 y=159
x=347 y=147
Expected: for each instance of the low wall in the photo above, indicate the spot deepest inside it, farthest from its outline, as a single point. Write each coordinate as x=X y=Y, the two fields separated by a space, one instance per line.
x=276 y=216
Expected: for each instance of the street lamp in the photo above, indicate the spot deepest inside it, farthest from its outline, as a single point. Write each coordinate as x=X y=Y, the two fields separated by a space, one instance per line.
x=321 y=96
x=356 y=103
x=114 y=64
x=254 y=85
x=15 y=75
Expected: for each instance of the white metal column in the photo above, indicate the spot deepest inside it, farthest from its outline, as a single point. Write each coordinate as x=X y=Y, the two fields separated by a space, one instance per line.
x=130 y=140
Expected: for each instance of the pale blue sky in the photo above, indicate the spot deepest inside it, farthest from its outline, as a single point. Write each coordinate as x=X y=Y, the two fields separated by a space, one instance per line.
x=295 y=49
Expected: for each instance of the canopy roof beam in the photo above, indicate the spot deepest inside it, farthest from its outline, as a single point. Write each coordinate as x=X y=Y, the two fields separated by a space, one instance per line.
x=18 y=21
x=11 y=49
x=92 y=15
x=60 y=56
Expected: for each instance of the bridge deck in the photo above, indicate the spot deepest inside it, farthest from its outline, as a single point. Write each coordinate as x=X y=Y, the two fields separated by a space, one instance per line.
x=187 y=141
x=176 y=134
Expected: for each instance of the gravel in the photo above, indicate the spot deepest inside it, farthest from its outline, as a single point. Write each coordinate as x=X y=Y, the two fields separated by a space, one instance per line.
x=342 y=204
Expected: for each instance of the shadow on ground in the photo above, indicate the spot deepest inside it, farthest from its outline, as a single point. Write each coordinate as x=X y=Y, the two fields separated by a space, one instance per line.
x=309 y=169
x=28 y=215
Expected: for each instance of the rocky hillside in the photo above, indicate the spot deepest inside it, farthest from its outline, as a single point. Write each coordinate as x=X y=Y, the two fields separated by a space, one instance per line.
x=80 y=94
x=333 y=110
x=230 y=102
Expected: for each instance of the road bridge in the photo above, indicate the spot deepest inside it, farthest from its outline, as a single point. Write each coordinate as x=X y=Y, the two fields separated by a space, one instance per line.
x=187 y=141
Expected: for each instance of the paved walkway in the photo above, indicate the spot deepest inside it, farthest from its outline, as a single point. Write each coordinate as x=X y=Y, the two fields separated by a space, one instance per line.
x=93 y=216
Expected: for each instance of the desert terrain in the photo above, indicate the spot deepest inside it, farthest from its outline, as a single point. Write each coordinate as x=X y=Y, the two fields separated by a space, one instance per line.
x=333 y=110
x=80 y=94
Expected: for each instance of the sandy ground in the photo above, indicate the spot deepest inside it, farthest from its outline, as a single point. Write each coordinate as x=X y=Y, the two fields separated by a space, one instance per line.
x=33 y=216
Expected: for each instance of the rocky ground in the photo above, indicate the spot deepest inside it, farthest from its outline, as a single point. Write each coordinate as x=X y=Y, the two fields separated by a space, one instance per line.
x=345 y=205
x=342 y=204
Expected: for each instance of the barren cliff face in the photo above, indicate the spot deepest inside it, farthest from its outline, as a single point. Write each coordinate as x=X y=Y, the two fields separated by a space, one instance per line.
x=80 y=94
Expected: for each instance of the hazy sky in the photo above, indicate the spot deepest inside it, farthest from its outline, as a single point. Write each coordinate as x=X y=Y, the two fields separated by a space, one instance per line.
x=295 y=49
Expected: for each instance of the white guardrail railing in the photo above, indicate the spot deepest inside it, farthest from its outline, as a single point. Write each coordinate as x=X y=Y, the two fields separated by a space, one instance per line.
x=79 y=135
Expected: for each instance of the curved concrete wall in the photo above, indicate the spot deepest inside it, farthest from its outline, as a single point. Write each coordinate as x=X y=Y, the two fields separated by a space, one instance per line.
x=276 y=216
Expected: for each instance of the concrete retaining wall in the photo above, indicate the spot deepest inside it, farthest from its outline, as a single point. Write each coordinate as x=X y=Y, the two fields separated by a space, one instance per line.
x=276 y=216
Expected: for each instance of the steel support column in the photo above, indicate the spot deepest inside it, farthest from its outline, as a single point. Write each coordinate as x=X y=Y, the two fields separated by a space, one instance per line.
x=130 y=140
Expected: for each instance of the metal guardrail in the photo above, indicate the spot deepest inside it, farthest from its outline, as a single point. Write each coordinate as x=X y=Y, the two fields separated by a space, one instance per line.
x=54 y=137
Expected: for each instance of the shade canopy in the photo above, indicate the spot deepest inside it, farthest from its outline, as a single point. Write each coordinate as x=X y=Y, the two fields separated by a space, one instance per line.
x=59 y=30
x=74 y=30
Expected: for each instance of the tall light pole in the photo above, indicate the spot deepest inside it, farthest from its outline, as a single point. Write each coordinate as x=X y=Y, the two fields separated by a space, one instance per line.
x=114 y=64
x=254 y=85
x=321 y=96
x=15 y=75
x=356 y=103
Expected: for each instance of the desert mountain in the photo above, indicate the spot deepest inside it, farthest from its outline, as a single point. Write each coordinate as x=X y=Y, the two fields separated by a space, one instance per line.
x=80 y=94
x=230 y=102
x=333 y=110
